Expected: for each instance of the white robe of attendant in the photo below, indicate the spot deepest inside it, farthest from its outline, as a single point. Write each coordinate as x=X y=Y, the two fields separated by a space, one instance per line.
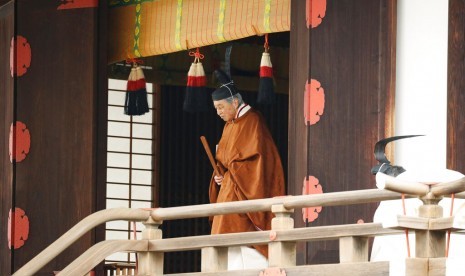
x=393 y=248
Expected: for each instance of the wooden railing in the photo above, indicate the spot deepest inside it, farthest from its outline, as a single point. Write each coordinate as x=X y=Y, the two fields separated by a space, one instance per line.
x=353 y=239
x=119 y=269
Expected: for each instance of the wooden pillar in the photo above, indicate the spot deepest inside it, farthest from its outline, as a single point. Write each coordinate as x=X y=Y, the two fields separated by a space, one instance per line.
x=430 y=244
x=456 y=86
x=151 y=263
x=299 y=66
x=6 y=118
x=281 y=254
x=54 y=95
x=350 y=52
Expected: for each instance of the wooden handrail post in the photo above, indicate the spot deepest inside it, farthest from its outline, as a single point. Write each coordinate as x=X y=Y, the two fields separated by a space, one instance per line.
x=151 y=263
x=353 y=249
x=281 y=254
x=430 y=246
x=214 y=259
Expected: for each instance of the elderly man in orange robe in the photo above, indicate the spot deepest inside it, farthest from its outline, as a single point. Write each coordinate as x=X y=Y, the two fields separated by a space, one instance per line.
x=252 y=170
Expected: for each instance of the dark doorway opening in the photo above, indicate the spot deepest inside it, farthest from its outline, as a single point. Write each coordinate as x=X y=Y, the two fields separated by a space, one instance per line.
x=185 y=171
x=182 y=171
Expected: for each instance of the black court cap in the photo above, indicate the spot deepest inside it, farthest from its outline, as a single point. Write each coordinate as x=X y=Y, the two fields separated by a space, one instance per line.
x=226 y=89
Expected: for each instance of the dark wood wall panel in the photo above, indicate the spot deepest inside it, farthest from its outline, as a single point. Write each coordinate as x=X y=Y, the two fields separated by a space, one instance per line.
x=352 y=56
x=456 y=87
x=101 y=123
x=6 y=118
x=299 y=67
x=56 y=99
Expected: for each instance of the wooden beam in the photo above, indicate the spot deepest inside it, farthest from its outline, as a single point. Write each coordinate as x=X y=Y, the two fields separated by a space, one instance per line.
x=94 y=255
x=290 y=202
x=347 y=269
x=435 y=224
x=448 y=188
x=448 y=223
x=402 y=222
x=78 y=231
x=319 y=233
x=384 y=181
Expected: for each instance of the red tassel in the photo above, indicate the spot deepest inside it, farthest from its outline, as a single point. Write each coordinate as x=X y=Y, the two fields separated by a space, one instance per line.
x=136 y=85
x=136 y=93
x=196 y=96
x=196 y=76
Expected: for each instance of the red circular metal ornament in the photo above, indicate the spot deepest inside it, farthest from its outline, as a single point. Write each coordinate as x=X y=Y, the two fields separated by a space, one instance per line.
x=314 y=102
x=23 y=56
x=18 y=235
x=315 y=12
x=19 y=147
x=311 y=186
x=77 y=4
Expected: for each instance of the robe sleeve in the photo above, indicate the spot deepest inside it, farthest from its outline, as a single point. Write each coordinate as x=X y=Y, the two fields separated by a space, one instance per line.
x=214 y=188
x=257 y=169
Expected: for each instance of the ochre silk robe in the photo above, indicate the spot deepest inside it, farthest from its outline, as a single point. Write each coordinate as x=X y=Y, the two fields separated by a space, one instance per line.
x=252 y=170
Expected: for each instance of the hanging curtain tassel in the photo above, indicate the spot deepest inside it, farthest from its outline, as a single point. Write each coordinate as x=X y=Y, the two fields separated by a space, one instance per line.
x=266 y=87
x=136 y=93
x=196 y=98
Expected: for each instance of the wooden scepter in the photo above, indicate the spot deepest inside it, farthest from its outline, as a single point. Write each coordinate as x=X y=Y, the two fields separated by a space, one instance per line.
x=218 y=170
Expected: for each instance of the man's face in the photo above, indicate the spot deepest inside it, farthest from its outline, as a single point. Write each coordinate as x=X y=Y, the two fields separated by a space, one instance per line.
x=226 y=110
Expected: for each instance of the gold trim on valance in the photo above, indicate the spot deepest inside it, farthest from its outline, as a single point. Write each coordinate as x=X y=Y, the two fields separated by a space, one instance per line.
x=141 y=28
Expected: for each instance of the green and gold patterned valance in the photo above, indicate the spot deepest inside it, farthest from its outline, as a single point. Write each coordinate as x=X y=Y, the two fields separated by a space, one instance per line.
x=140 y=28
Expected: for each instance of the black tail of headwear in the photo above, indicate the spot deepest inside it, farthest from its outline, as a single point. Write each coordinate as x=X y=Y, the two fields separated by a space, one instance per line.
x=380 y=155
x=222 y=76
x=226 y=88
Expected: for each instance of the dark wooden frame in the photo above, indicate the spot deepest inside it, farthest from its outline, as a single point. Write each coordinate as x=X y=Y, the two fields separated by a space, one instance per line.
x=352 y=54
x=456 y=87
x=6 y=118
x=304 y=146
